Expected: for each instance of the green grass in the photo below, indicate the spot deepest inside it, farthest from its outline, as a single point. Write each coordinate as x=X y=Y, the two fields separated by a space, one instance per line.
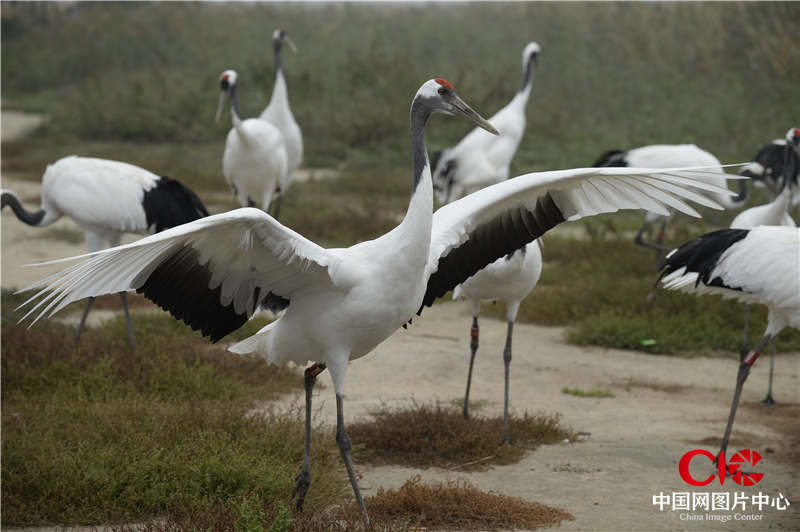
x=577 y=392
x=102 y=433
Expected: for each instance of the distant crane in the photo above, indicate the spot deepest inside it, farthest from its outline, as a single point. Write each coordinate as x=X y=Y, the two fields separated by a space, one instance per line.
x=481 y=159
x=106 y=199
x=280 y=115
x=341 y=303
x=255 y=161
x=758 y=265
x=671 y=156
x=509 y=279
x=777 y=162
x=774 y=213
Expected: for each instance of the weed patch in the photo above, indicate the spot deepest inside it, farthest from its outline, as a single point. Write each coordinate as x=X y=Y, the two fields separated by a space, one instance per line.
x=436 y=435
x=577 y=392
x=454 y=505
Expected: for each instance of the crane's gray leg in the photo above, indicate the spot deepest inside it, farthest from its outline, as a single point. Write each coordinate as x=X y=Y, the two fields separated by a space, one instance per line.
x=277 y=204
x=473 y=345
x=507 y=362
x=743 y=349
x=345 y=446
x=661 y=250
x=303 y=478
x=744 y=371
x=128 y=323
x=89 y=303
x=768 y=400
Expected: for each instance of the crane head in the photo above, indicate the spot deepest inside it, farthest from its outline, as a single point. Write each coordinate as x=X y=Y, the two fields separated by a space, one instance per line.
x=281 y=36
x=227 y=80
x=530 y=53
x=440 y=96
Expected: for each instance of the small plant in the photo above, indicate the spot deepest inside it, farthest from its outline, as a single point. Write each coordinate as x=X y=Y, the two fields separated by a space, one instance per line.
x=249 y=514
x=577 y=392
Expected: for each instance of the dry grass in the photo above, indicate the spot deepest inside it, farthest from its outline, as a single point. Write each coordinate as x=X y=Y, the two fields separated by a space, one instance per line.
x=437 y=435
x=651 y=384
x=454 y=505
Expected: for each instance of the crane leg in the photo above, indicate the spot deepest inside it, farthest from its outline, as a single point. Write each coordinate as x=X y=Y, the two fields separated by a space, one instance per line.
x=89 y=303
x=473 y=345
x=128 y=323
x=743 y=349
x=768 y=400
x=744 y=371
x=277 y=204
x=303 y=478
x=507 y=362
x=661 y=250
x=345 y=446
x=642 y=242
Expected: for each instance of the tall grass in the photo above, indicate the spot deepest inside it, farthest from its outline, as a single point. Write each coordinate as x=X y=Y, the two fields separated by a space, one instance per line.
x=612 y=75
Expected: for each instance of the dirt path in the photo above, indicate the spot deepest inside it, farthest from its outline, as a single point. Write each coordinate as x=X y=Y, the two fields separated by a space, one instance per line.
x=637 y=437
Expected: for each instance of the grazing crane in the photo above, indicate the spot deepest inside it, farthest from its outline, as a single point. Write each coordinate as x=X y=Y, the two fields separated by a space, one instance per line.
x=280 y=115
x=774 y=213
x=509 y=279
x=758 y=265
x=106 y=199
x=667 y=156
x=482 y=159
x=255 y=161
x=776 y=163
x=341 y=303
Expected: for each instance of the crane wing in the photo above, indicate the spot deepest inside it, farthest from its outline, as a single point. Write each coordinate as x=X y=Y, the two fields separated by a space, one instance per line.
x=474 y=231
x=212 y=273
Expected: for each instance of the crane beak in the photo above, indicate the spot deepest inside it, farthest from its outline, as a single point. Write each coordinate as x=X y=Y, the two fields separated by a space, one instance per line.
x=220 y=106
x=291 y=44
x=463 y=109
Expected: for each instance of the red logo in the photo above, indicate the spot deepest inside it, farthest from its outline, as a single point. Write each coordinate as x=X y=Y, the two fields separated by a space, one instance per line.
x=732 y=468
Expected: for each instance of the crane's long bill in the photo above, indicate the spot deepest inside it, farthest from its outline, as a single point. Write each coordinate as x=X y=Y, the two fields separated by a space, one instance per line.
x=291 y=44
x=220 y=106
x=467 y=111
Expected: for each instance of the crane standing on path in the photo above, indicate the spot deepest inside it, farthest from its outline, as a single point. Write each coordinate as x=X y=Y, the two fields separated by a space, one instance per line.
x=107 y=199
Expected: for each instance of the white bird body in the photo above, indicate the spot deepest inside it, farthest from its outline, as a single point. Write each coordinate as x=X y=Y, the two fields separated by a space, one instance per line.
x=340 y=303
x=481 y=159
x=255 y=160
x=279 y=114
x=762 y=267
x=107 y=198
x=508 y=279
x=773 y=213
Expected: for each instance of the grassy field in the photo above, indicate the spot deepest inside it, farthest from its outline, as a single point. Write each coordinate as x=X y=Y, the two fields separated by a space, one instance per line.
x=102 y=434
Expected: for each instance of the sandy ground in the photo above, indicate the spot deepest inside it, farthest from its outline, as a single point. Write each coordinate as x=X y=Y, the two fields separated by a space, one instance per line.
x=608 y=480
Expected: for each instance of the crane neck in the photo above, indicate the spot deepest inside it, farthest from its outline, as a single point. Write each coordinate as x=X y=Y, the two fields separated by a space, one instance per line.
x=234 y=92
x=420 y=112
x=24 y=215
x=527 y=79
x=276 y=45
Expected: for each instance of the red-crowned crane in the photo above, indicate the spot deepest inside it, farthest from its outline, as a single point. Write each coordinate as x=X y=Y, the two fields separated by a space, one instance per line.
x=107 y=199
x=280 y=115
x=255 y=161
x=773 y=213
x=341 y=303
x=758 y=265
x=509 y=279
x=668 y=156
x=481 y=159
x=777 y=164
